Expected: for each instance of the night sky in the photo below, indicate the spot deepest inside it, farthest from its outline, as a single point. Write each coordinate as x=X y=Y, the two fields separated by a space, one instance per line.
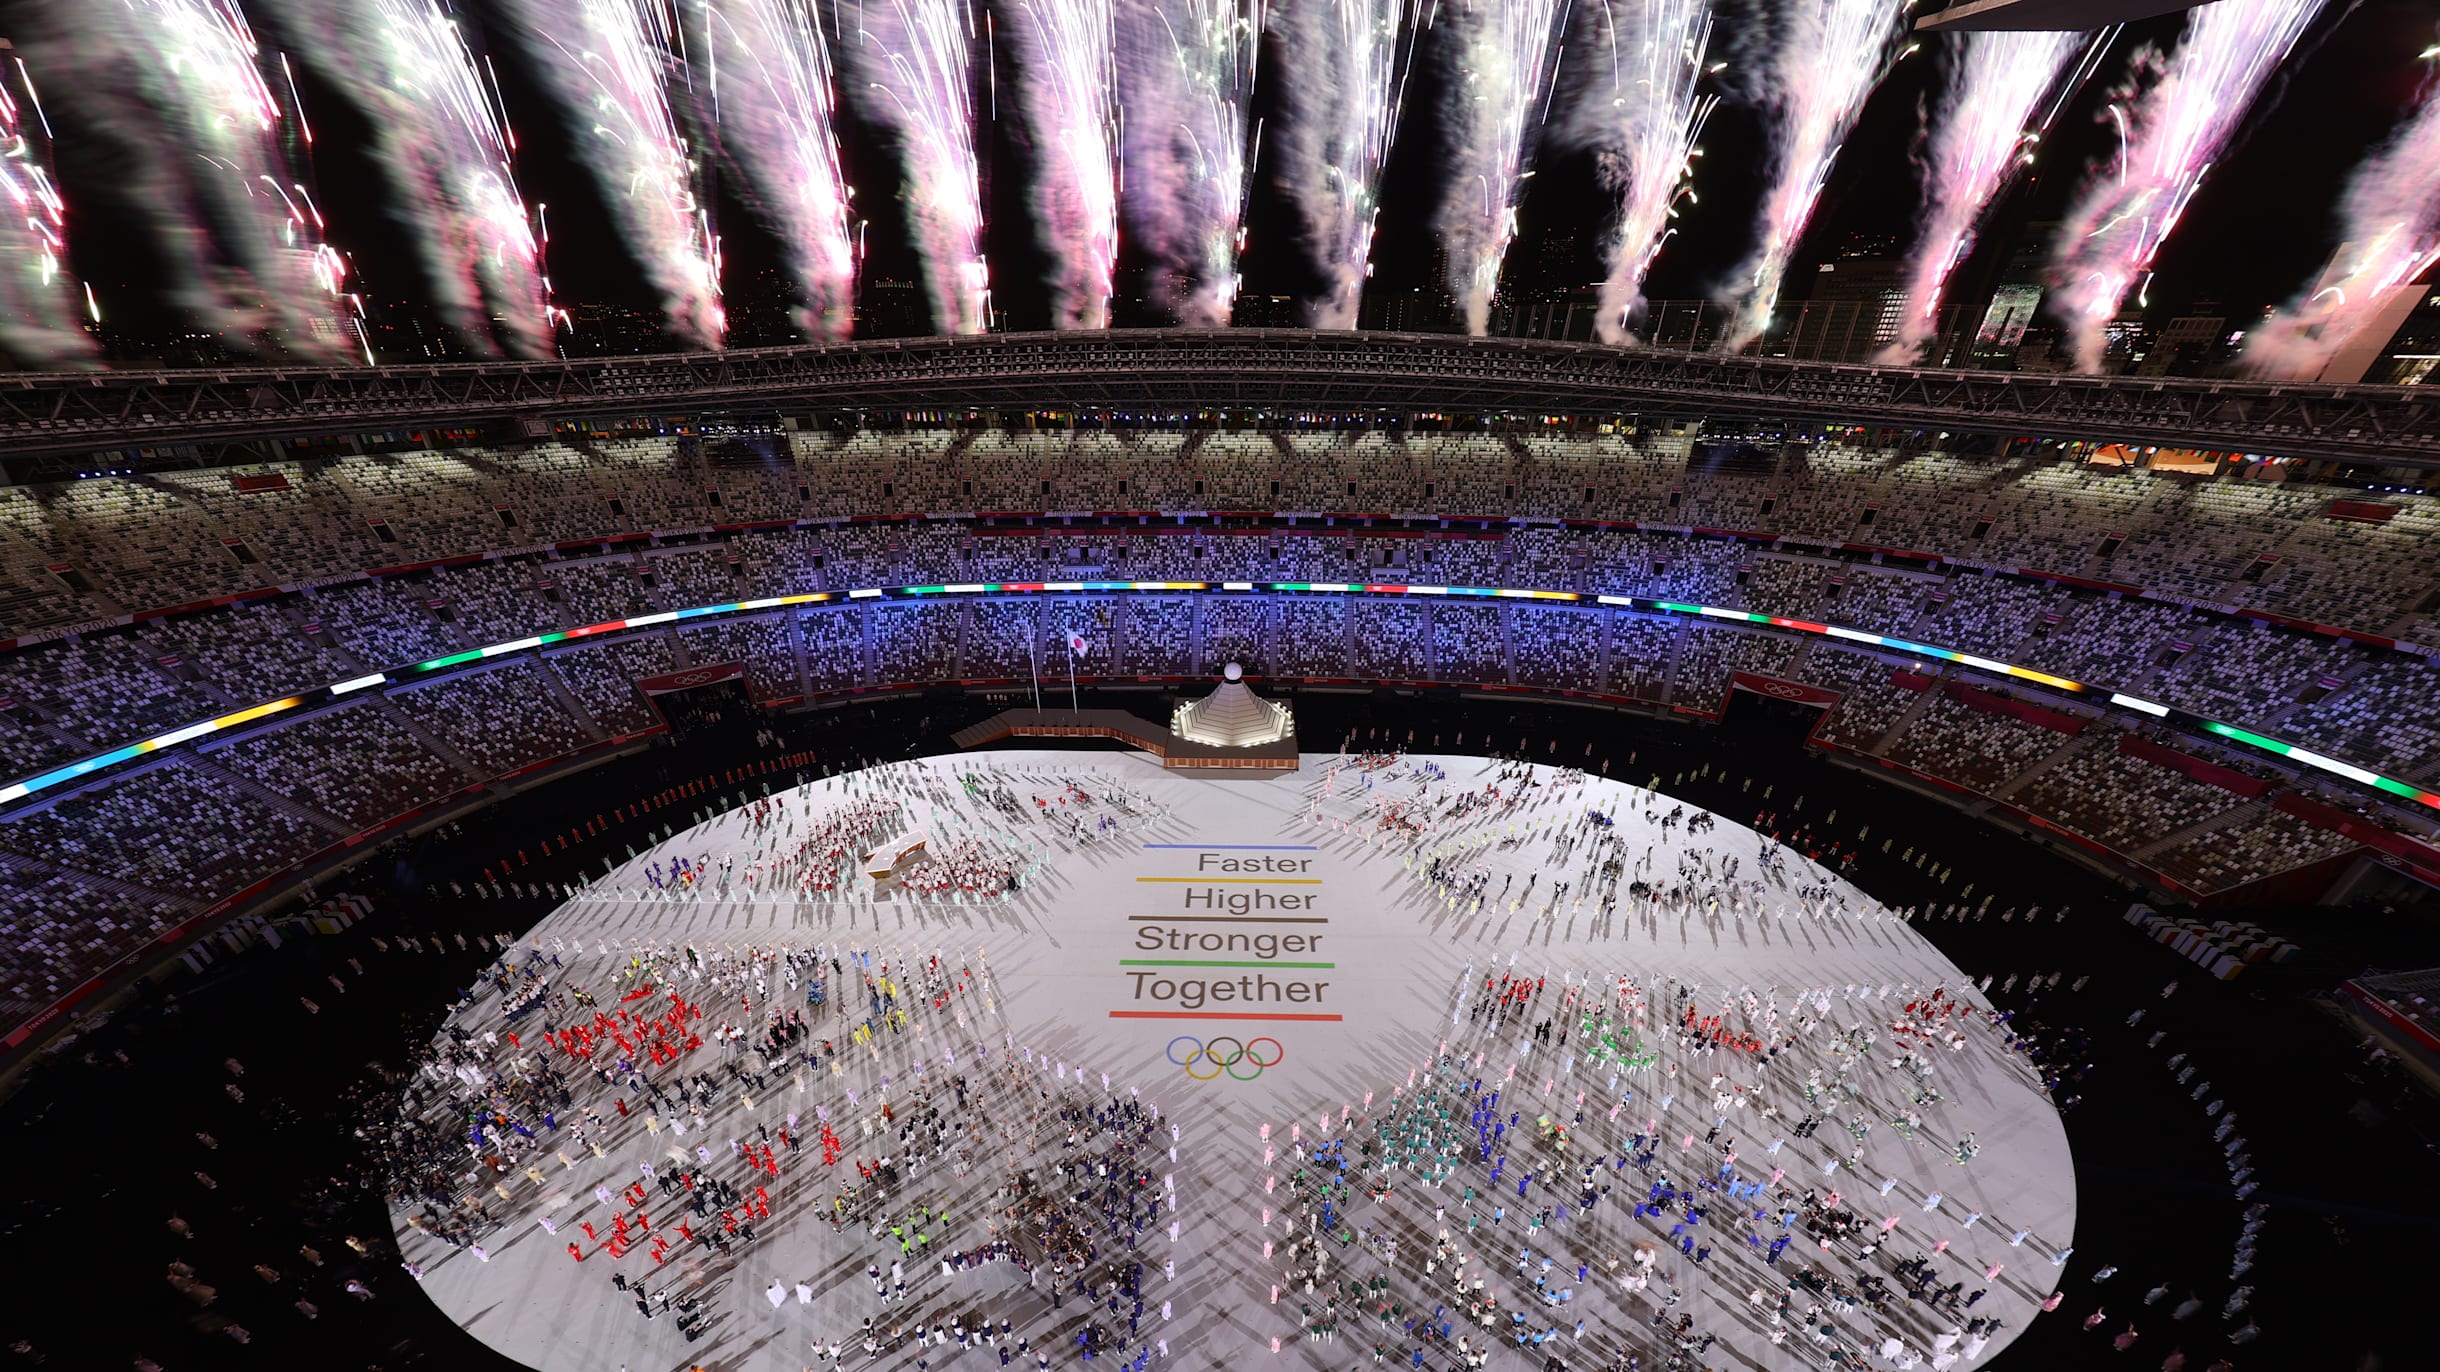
x=2262 y=224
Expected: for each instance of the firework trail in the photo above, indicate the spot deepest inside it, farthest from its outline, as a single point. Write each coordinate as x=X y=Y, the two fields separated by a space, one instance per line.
x=1345 y=83
x=609 y=62
x=771 y=105
x=1065 y=48
x=912 y=57
x=1185 y=71
x=181 y=85
x=1998 y=99
x=445 y=148
x=1827 y=57
x=2392 y=218
x=38 y=305
x=2171 y=131
x=1504 y=52
x=1634 y=103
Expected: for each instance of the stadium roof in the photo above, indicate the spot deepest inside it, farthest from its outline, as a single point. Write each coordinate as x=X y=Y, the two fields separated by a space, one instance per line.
x=1985 y=16
x=1245 y=372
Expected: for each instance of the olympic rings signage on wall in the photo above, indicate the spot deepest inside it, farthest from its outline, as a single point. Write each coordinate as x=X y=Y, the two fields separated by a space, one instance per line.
x=1223 y=1056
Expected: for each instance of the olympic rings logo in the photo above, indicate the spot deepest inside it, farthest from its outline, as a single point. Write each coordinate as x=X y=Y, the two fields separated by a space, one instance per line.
x=1224 y=1056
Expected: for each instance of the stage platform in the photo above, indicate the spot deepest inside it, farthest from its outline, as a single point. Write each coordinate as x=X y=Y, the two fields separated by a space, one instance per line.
x=1279 y=963
x=1174 y=752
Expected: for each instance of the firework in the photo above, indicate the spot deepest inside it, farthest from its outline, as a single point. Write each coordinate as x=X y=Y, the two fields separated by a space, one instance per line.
x=1504 y=52
x=1185 y=71
x=1998 y=99
x=38 y=303
x=1635 y=103
x=912 y=58
x=769 y=92
x=1344 y=86
x=1065 y=48
x=1827 y=57
x=445 y=148
x=609 y=62
x=182 y=86
x=2171 y=130
x=2392 y=233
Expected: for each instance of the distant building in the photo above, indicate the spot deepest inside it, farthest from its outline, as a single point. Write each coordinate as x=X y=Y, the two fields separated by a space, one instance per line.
x=2039 y=350
x=2189 y=345
x=2125 y=342
x=2005 y=320
x=612 y=331
x=1268 y=312
x=1853 y=311
x=1420 y=310
x=761 y=310
x=2408 y=326
x=890 y=307
x=1553 y=312
x=1429 y=308
x=2016 y=295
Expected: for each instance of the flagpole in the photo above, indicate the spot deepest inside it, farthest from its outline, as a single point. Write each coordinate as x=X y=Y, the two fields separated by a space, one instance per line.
x=1075 y=703
x=1033 y=666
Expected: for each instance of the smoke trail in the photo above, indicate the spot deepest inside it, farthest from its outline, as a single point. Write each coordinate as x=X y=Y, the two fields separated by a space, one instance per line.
x=38 y=304
x=1505 y=50
x=1345 y=83
x=181 y=85
x=608 y=61
x=1065 y=48
x=1989 y=116
x=2392 y=218
x=1185 y=71
x=771 y=104
x=442 y=142
x=912 y=56
x=1633 y=102
x=2172 y=131
x=1828 y=56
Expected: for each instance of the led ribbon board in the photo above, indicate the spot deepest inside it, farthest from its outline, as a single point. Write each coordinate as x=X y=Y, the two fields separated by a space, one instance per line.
x=173 y=738
x=1995 y=667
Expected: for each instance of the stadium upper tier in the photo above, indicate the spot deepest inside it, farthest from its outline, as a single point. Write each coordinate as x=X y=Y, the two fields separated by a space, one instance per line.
x=86 y=552
x=1284 y=372
x=362 y=641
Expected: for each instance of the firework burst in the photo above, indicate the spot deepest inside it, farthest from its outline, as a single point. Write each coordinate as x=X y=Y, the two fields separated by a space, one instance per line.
x=1065 y=48
x=1635 y=102
x=610 y=61
x=2391 y=220
x=1344 y=88
x=2003 y=89
x=2172 y=128
x=1185 y=72
x=1504 y=51
x=769 y=91
x=446 y=150
x=38 y=302
x=184 y=86
x=1828 y=56
x=912 y=57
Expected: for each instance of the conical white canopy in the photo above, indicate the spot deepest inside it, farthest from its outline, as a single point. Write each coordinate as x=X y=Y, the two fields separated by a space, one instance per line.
x=1232 y=716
